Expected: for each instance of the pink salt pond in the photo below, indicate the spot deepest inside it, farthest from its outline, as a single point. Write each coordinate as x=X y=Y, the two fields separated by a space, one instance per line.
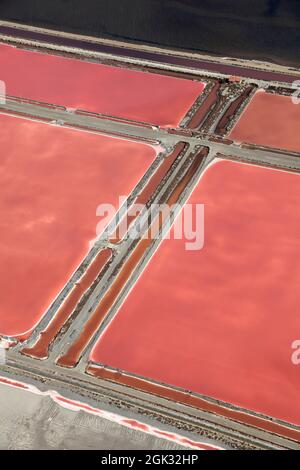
x=52 y=180
x=269 y=120
x=221 y=321
x=115 y=91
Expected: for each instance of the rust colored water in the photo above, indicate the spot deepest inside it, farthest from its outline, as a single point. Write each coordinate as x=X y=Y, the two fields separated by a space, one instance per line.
x=195 y=401
x=115 y=91
x=75 y=351
x=221 y=321
x=148 y=190
x=52 y=179
x=269 y=120
x=41 y=347
x=75 y=405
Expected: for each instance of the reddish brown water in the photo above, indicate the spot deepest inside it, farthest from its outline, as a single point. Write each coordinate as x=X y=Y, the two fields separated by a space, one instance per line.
x=183 y=396
x=115 y=91
x=269 y=120
x=148 y=191
x=75 y=351
x=41 y=347
x=52 y=179
x=75 y=405
x=221 y=321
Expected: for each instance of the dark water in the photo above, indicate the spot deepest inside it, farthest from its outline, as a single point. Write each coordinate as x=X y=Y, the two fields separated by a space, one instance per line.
x=258 y=29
